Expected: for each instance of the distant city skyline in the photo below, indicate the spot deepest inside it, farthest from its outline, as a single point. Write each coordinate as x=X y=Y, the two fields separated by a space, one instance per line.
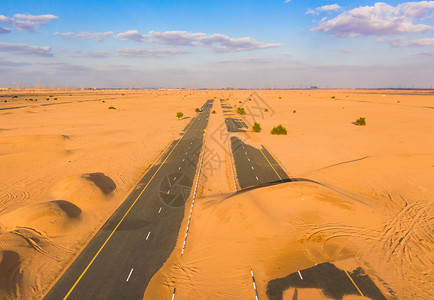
x=217 y=44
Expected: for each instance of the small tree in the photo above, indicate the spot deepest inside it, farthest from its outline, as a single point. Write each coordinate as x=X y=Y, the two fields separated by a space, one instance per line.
x=179 y=115
x=241 y=110
x=360 y=121
x=256 y=127
x=279 y=129
x=197 y=109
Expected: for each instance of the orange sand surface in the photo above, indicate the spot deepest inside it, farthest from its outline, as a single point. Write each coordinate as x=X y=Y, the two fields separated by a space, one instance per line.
x=65 y=168
x=363 y=197
x=368 y=200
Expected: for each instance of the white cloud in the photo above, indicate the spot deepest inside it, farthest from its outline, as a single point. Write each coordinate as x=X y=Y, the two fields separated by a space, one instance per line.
x=98 y=36
x=91 y=54
x=402 y=42
x=4 y=30
x=175 y=38
x=131 y=35
x=28 y=22
x=417 y=9
x=22 y=49
x=318 y=10
x=248 y=60
x=150 y=52
x=380 y=19
x=223 y=43
x=217 y=42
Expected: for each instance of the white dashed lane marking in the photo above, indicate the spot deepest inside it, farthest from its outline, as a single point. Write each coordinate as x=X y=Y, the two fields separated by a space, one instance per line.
x=147 y=237
x=160 y=209
x=129 y=275
x=301 y=277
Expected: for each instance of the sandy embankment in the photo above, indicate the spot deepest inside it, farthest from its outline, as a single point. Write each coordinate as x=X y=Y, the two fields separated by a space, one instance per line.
x=65 y=168
x=372 y=205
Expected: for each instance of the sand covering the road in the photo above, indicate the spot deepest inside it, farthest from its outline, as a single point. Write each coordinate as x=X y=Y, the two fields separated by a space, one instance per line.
x=371 y=205
x=65 y=168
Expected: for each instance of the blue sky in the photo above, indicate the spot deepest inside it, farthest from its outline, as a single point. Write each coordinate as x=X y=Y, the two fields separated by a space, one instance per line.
x=251 y=44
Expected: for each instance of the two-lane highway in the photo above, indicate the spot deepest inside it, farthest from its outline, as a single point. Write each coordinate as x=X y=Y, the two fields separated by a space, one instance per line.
x=254 y=166
x=133 y=245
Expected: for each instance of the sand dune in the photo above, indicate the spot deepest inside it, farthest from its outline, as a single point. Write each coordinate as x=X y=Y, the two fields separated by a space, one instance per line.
x=364 y=195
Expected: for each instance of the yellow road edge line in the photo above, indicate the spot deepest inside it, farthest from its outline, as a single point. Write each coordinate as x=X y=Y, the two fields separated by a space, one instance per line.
x=271 y=165
x=111 y=234
x=354 y=283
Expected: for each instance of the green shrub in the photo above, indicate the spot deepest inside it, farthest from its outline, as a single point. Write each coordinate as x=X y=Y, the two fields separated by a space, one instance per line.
x=266 y=109
x=55 y=98
x=241 y=110
x=213 y=112
x=360 y=121
x=256 y=127
x=294 y=111
x=197 y=109
x=103 y=101
x=112 y=107
x=333 y=97
x=279 y=129
x=179 y=115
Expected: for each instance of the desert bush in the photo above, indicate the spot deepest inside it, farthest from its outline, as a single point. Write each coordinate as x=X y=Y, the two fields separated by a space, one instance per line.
x=51 y=96
x=179 y=115
x=213 y=112
x=48 y=99
x=333 y=97
x=256 y=127
x=197 y=109
x=112 y=107
x=360 y=121
x=279 y=129
x=241 y=110
x=55 y=98
x=294 y=111
x=280 y=97
x=240 y=102
x=266 y=109
x=103 y=101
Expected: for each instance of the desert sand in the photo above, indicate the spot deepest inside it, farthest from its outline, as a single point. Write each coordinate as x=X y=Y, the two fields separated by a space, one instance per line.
x=363 y=195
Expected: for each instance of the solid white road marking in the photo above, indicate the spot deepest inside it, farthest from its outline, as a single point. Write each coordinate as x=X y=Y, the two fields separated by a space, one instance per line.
x=168 y=192
x=253 y=168
x=257 y=178
x=179 y=168
x=129 y=275
x=300 y=275
x=183 y=159
x=160 y=209
x=174 y=179
x=147 y=237
x=249 y=159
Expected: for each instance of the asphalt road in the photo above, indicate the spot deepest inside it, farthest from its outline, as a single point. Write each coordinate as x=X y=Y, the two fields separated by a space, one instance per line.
x=135 y=242
x=257 y=167
x=254 y=166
